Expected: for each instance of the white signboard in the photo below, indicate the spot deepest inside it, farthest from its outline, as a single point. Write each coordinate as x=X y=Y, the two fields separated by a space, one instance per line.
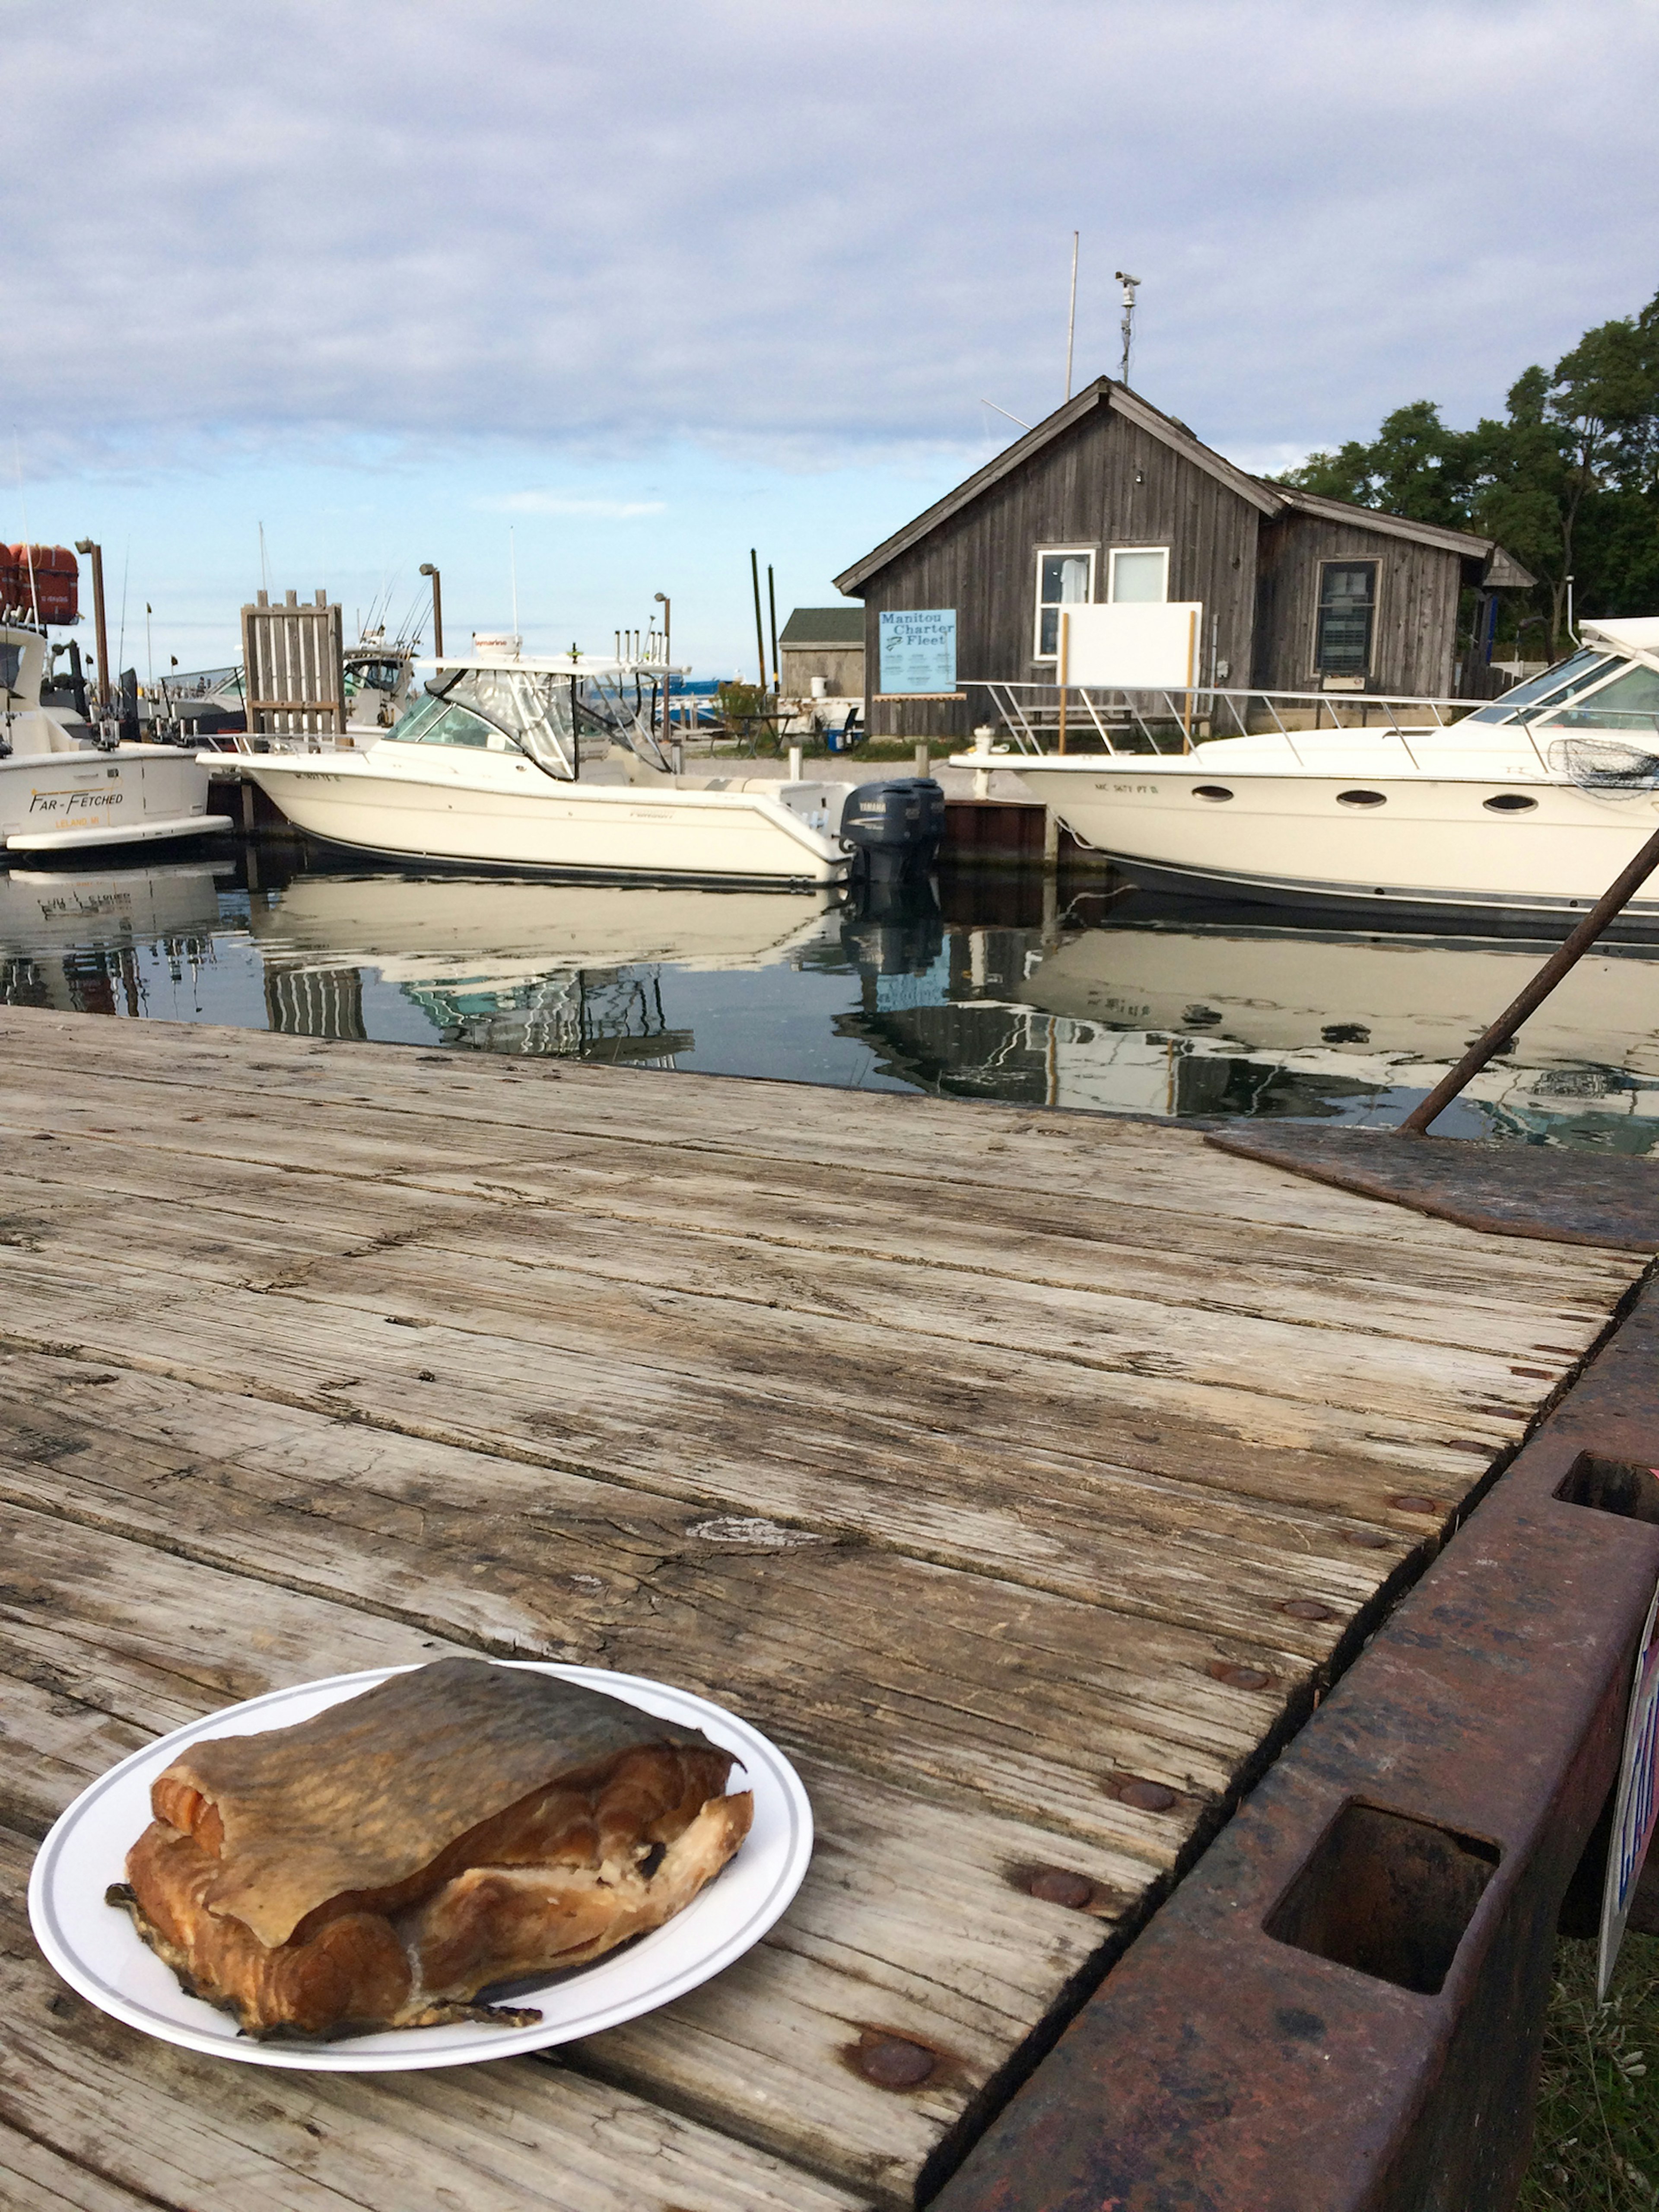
x=1132 y=645
x=1634 y=1806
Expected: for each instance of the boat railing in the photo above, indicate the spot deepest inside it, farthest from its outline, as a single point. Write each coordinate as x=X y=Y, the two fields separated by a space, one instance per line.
x=1042 y=718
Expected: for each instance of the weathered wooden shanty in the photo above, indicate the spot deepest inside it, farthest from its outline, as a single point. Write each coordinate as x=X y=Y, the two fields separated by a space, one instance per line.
x=822 y=641
x=1109 y=499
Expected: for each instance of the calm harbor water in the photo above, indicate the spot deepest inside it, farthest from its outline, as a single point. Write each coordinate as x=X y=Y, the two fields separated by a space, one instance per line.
x=1104 y=1000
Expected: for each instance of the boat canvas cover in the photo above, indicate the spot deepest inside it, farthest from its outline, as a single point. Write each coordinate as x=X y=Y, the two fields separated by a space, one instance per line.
x=1637 y=634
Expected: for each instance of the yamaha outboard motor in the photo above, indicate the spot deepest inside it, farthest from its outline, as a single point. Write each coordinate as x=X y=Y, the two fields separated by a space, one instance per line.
x=894 y=828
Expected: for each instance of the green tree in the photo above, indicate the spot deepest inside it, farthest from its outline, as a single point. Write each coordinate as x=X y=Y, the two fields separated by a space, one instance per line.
x=1416 y=467
x=1602 y=406
x=1567 y=481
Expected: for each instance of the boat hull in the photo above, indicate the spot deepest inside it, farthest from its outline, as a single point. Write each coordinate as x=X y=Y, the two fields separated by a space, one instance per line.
x=559 y=828
x=1427 y=844
x=80 y=801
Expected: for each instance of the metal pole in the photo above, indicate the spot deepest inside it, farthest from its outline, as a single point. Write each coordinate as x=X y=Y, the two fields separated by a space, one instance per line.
x=1065 y=669
x=1129 y=284
x=760 y=633
x=1071 y=318
x=668 y=658
x=426 y=569
x=772 y=610
x=1611 y=903
x=94 y=553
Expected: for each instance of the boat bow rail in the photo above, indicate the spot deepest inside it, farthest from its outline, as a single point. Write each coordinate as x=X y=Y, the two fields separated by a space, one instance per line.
x=1037 y=719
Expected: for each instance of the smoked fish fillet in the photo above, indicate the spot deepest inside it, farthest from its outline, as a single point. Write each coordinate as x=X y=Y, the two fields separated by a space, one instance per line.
x=460 y=1825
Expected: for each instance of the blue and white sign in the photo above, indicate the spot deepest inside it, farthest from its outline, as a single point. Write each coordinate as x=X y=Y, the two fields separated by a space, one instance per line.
x=1636 y=1808
x=919 y=652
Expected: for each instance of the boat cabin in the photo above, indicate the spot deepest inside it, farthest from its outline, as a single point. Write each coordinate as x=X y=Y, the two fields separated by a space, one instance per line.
x=1110 y=500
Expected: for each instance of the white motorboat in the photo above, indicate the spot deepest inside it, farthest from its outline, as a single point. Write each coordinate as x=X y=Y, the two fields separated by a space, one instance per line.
x=378 y=674
x=487 y=767
x=1532 y=804
x=63 y=789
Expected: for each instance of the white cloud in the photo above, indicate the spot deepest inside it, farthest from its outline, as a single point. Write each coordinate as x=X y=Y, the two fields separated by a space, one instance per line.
x=799 y=235
x=554 y=502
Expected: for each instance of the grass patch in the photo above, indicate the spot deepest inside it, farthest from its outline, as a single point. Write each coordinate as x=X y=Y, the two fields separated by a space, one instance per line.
x=1597 y=2144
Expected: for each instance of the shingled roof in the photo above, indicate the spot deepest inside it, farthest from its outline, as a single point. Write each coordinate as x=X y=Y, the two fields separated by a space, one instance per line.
x=819 y=629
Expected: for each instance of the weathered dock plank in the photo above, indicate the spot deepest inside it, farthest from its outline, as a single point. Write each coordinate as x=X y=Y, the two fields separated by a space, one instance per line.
x=998 y=1464
x=96 y=2116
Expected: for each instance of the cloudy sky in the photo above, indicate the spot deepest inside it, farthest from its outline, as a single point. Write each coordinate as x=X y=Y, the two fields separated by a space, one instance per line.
x=616 y=292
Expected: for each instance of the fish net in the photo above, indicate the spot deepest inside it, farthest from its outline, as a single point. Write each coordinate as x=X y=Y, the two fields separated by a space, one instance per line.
x=1603 y=764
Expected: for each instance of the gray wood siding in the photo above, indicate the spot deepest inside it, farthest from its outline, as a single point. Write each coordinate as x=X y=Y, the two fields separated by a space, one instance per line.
x=1105 y=482
x=1414 y=641
x=841 y=666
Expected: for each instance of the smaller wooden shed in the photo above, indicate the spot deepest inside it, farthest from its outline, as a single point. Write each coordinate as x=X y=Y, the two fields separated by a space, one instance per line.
x=826 y=641
x=1109 y=499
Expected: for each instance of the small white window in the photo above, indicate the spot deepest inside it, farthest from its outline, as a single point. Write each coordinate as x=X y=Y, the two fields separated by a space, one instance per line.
x=1140 y=572
x=1065 y=577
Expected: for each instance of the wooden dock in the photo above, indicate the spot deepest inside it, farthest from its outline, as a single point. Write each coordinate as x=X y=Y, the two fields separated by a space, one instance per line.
x=1023 y=1474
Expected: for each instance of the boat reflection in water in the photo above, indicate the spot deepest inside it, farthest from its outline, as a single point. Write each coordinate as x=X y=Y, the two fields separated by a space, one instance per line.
x=84 y=942
x=518 y=966
x=1147 y=1016
x=1116 y=1005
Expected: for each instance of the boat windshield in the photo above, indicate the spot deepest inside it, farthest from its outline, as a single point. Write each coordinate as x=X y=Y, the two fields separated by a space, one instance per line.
x=442 y=722
x=1553 y=685
x=378 y=675
x=496 y=709
x=1629 y=705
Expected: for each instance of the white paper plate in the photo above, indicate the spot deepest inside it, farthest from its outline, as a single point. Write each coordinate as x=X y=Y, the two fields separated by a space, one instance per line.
x=96 y=1949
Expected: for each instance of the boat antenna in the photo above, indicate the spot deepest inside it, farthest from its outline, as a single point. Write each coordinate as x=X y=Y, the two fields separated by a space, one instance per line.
x=995 y=410
x=1071 y=318
x=1129 y=284
x=512 y=563
x=265 y=571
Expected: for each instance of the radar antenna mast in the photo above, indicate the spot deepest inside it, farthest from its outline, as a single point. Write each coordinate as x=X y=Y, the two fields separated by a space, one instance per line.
x=1129 y=284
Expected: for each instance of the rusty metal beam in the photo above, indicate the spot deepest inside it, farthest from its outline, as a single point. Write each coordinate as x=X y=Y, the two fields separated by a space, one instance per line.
x=1509 y=1190
x=1612 y=903
x=1340 y=2007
